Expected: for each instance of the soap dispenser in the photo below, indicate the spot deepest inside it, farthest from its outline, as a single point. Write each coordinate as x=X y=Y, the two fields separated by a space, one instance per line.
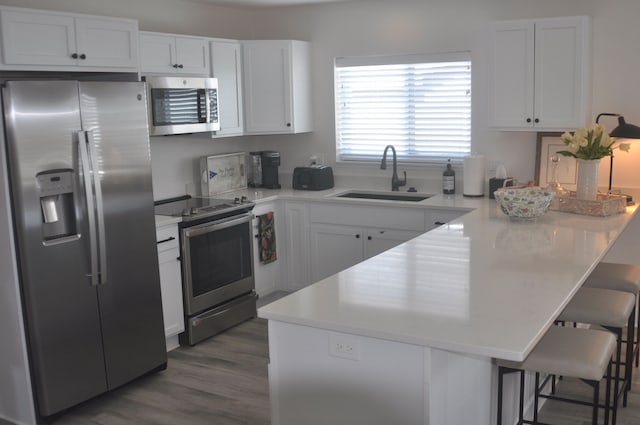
x=449 y=180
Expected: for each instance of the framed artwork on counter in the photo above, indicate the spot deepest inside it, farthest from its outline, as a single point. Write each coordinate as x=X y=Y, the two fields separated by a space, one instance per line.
x=548 y=146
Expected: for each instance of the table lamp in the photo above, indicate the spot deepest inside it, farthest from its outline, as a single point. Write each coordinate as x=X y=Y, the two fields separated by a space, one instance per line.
x=622 y=131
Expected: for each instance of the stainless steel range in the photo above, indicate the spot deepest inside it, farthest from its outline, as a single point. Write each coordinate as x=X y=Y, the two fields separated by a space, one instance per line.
x=217 y=263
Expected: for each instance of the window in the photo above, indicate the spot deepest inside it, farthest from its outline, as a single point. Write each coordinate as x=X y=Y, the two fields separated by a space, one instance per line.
x=421 y=104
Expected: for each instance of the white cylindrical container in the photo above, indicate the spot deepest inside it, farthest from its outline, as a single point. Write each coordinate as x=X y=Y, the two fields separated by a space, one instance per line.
x=473 y=182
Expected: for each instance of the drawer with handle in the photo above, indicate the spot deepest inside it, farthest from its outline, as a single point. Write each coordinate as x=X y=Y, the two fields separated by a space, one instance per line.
x=167 y=237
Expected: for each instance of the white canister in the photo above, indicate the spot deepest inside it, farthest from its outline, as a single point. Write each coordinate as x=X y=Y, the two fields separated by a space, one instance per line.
x=473 y=182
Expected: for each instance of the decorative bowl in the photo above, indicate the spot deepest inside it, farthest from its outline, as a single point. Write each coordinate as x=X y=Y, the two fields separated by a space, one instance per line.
x=527 y=203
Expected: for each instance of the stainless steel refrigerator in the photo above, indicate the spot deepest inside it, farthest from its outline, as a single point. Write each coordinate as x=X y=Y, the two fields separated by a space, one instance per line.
x=80 y=178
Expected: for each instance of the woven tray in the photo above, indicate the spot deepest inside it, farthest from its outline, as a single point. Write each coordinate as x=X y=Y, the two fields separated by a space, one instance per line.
x=604 y=205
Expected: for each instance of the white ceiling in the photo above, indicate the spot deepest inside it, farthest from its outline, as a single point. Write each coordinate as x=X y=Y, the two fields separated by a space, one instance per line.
x=263 y=3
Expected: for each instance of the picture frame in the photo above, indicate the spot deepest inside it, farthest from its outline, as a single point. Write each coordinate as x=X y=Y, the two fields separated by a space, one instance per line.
x=549 y=144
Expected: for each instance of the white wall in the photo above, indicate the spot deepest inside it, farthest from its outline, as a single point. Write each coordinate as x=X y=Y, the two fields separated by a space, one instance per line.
x=387 y=27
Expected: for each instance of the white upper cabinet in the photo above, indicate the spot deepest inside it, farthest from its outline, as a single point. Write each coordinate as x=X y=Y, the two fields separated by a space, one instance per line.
x=173 y=54
x=277 y=86
x=41 y=40
x=226 y=66
x=539 y=74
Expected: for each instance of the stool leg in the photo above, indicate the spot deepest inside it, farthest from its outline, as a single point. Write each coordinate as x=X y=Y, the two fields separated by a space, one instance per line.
x=500 y=375
x=607 y=403
x=628 y=362
x=521 y=406
x=617 y=375
x=536 y=392
x=596 y=401
x=637 y=331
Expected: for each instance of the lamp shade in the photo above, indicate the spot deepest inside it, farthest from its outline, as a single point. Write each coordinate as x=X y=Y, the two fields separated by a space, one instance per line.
x=625 y=131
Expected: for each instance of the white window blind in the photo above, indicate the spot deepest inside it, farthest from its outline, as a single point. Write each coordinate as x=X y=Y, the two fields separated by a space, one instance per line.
x=421 y=104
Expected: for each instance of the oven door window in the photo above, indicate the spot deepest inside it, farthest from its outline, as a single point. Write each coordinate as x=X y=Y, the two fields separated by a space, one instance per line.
x=184 y=106
x=219 y=258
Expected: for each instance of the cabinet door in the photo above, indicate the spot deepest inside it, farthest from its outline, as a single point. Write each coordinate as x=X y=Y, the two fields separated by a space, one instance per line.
x=267 y=276
x=157 y=53
x=511 y=78
x=380 y=240
x=171 y=288
x=334 y=248
x=267 y=86
x=107 y=43
x=226 y=67
x=34 y=38
x=297 y=245
x=435 y=218
x=192 y=56
x=560 y=71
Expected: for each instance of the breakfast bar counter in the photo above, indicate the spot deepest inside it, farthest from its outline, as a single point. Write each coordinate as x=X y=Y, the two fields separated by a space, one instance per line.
x=409 y=336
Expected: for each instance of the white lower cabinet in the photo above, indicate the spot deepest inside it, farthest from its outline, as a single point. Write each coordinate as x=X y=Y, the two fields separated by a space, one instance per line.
x=438 y=217
x=267 y=276
x=298 y=273
x=334 y=248
x=341 y=236
x=170 y=283
x=380 y=240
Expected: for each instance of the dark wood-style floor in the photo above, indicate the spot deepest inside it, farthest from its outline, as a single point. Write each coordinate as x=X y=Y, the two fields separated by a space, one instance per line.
x=223 y=381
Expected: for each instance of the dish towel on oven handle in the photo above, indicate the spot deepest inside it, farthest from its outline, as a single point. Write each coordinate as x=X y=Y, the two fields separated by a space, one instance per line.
x=267 y=238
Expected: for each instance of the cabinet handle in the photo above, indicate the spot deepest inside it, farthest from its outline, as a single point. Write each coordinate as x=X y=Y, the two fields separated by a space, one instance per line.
x=179 y=258
x=357 y=236
x=169 y=239
x=536 y=120
x=83 y=56
x=256 y=236
x=74 y=56
x=180 y=66
x=528 y=119
x=288 y=124
x=175 y=65
x=439 y=223
x=369 y=238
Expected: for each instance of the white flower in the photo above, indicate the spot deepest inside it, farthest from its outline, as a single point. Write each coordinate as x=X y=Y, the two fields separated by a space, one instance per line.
x=624 y=147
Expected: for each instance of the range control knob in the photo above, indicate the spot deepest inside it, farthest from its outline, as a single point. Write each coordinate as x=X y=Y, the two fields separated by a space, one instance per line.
x=193 y=211
x=185 y=212
x=236 y=200
x=243 y=200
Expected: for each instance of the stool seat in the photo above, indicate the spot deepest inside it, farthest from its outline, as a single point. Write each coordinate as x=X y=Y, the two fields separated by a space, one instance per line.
x=620 y=277
x=605 y=307
x=574 y=352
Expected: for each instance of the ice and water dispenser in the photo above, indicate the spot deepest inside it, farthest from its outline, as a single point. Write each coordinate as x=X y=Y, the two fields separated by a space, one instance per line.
x=55 y=190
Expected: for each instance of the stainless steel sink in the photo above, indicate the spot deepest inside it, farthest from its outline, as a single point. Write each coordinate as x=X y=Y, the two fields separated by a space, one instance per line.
x=386 y=196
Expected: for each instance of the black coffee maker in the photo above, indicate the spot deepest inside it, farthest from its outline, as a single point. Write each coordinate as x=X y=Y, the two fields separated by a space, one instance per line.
x=269 y=163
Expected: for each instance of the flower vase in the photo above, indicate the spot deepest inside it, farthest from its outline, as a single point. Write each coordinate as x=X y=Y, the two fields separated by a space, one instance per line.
x=587 y=187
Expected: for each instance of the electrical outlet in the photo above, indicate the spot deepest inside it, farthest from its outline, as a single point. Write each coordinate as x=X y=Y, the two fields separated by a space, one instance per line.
x=344 y=347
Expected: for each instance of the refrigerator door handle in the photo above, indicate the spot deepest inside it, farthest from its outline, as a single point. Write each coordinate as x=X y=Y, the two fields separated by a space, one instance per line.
x=97 y=186
x=91 y=217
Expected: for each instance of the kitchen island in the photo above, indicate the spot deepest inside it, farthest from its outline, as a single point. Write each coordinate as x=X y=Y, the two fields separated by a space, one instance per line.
x=409 y=336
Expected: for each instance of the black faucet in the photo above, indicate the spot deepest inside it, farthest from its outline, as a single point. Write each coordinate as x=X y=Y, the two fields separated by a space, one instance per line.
x=395 y=182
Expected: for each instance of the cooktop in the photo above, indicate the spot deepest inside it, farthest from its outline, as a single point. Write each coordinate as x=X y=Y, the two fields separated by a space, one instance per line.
x=194 y=208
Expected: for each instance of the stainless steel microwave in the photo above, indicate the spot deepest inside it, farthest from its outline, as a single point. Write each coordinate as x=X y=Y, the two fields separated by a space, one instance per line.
x=179 y=105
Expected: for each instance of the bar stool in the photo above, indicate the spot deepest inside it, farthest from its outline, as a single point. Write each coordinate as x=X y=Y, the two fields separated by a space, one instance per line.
x=620 y=277
x=585 y=354
x=613 y=311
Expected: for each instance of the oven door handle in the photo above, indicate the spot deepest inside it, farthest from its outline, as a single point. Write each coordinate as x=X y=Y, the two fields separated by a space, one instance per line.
x=215 y=225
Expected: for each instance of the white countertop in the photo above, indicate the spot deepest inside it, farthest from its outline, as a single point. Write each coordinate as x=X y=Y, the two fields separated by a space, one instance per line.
x=165 y=220
x=481 y=285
